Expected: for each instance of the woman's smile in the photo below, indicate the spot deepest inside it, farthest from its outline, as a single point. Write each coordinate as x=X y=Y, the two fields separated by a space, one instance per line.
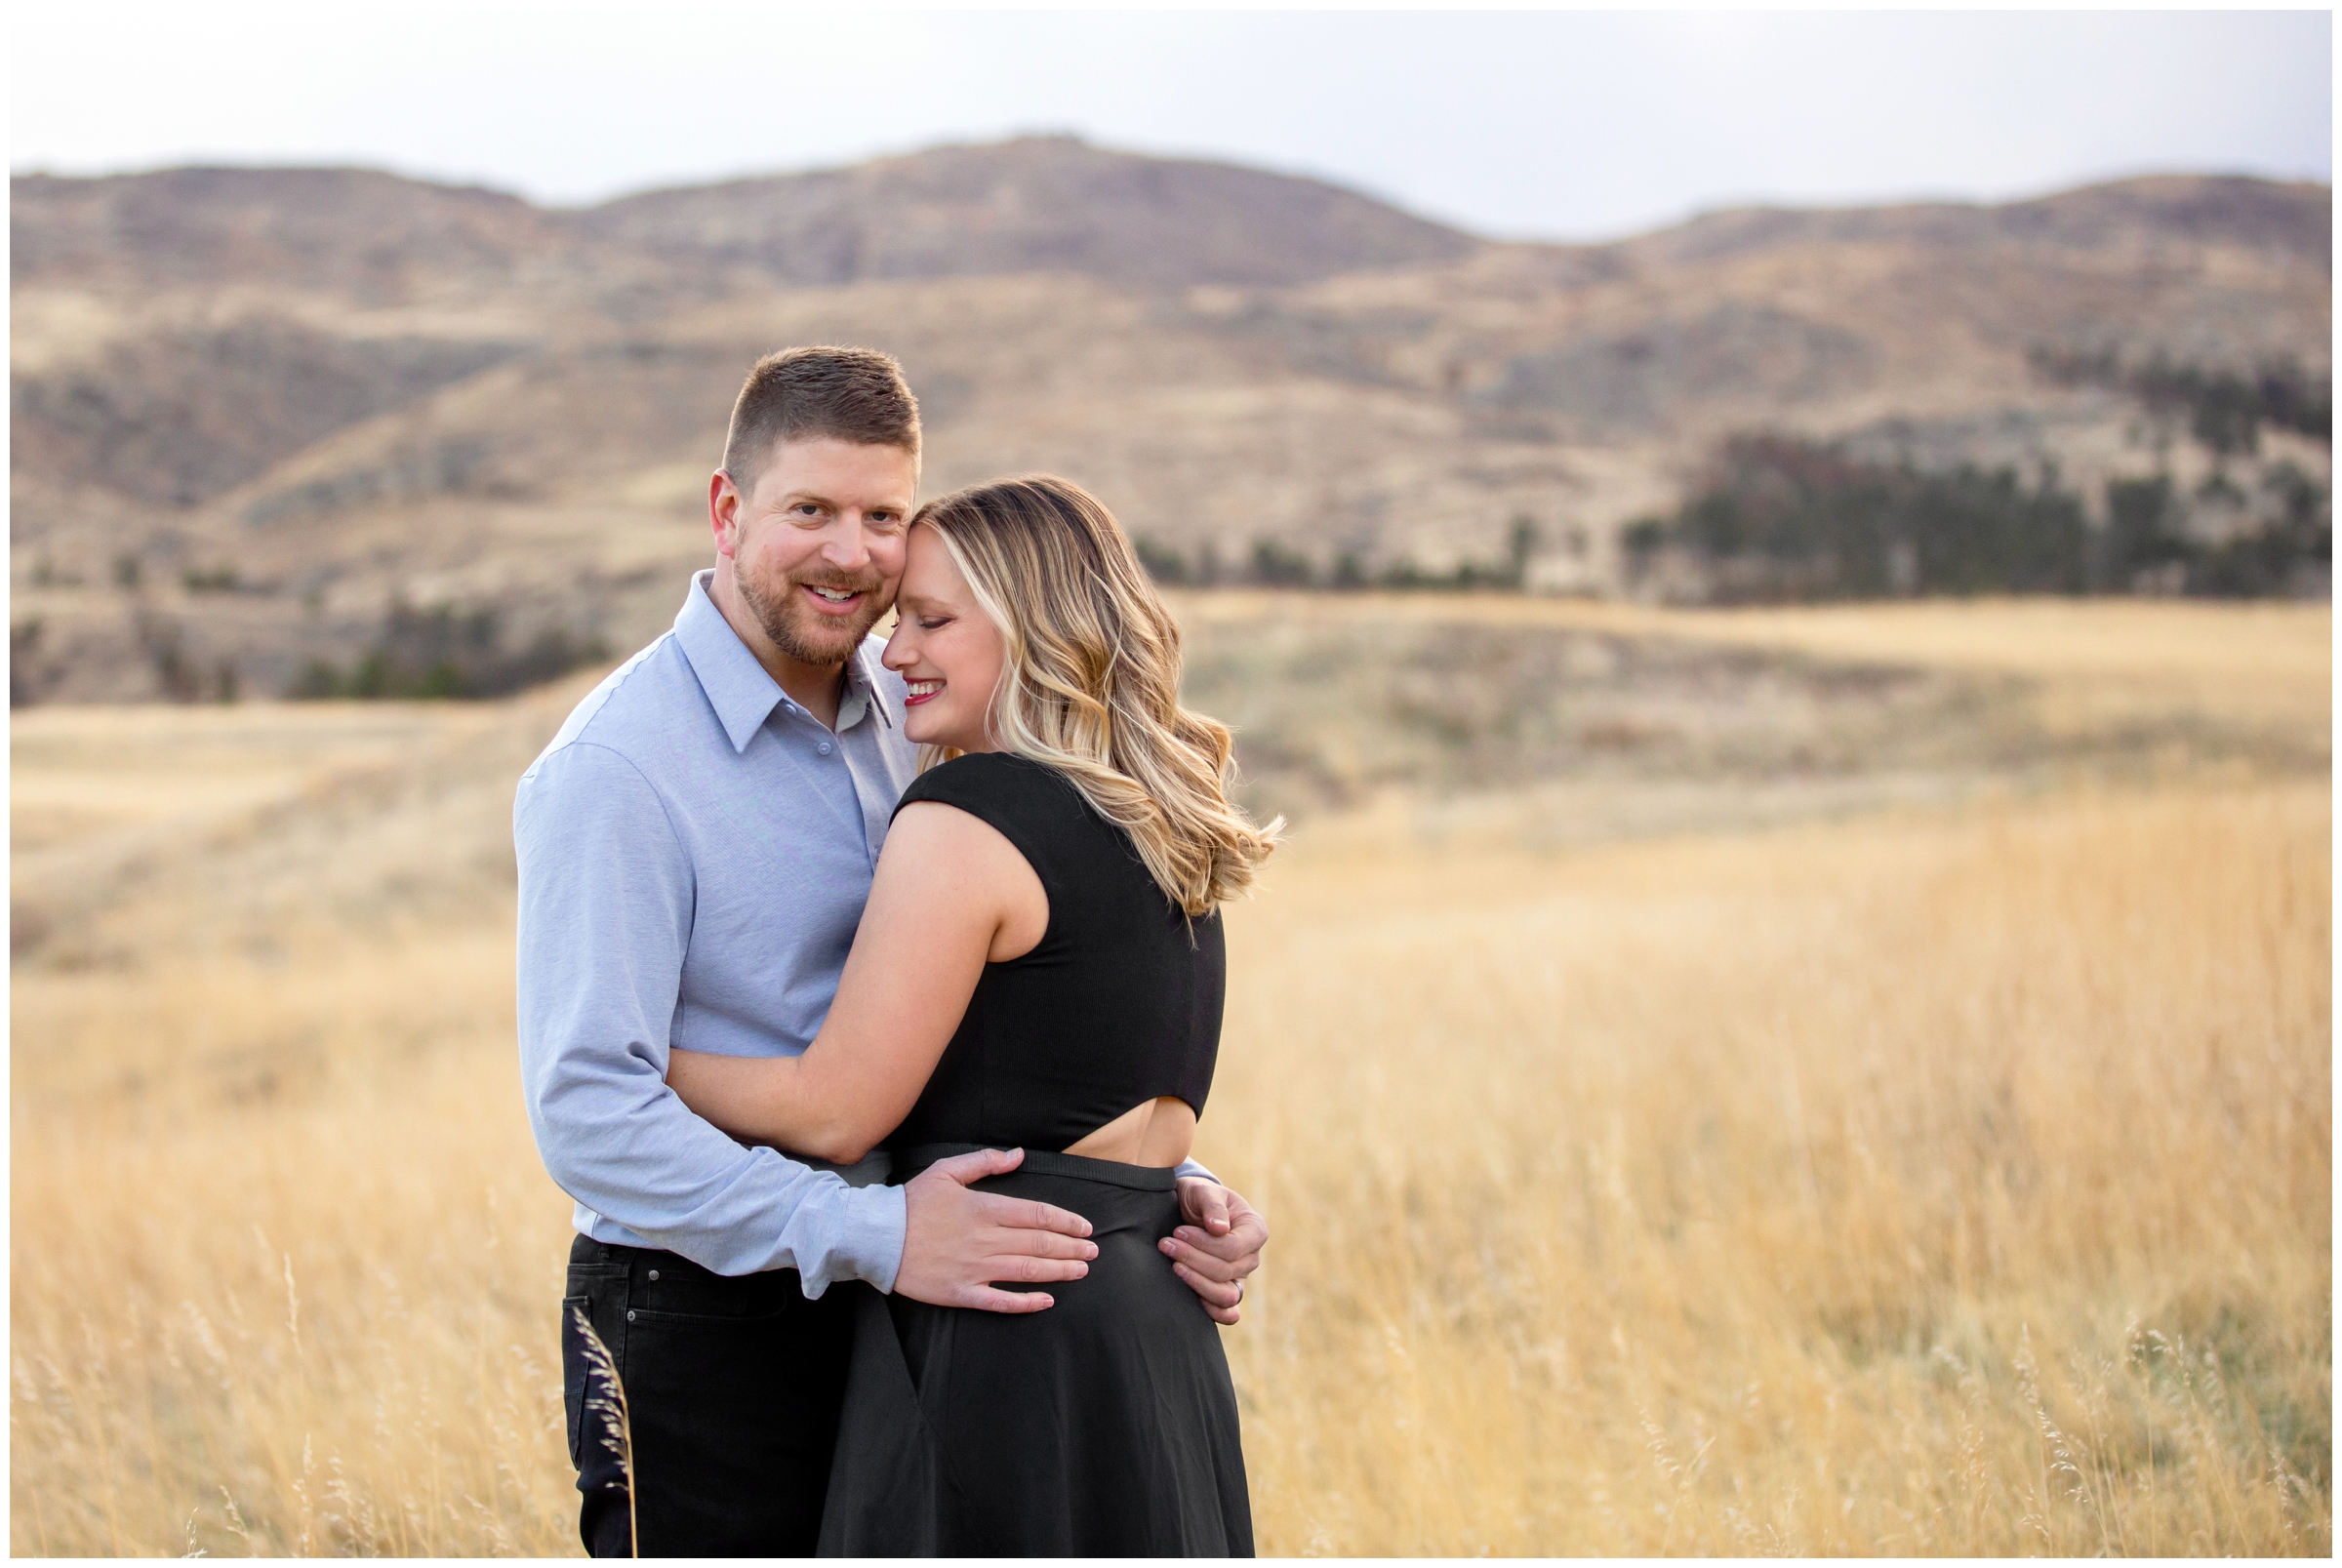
x=942 y=633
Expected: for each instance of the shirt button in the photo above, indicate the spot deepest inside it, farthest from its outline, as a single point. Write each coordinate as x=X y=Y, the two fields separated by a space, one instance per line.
x=654 y=1274
x=824 y=748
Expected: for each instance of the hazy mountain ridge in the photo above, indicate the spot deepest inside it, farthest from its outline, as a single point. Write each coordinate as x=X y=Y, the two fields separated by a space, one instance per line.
x=341 y=391
x=1033 y=204
x=2290 y=221
x=1040 y=204
x=370 y=236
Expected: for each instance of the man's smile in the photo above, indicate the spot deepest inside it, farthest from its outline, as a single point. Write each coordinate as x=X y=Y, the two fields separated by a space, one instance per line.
x=834 y=601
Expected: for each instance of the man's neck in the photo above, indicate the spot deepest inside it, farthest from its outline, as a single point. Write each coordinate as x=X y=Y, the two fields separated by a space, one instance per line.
x=817 y=689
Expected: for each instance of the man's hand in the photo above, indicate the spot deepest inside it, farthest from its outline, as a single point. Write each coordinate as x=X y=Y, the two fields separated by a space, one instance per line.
x=1218 y=1247
x=957 y=1243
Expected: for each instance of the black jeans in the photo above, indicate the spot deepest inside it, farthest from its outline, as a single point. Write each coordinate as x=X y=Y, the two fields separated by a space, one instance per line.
x=733 y=1388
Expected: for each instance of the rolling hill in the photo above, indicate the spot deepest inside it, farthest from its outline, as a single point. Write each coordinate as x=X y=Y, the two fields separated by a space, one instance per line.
x=269 y=418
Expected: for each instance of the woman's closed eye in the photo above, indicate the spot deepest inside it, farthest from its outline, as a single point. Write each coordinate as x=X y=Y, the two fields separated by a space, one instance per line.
x=934 y=622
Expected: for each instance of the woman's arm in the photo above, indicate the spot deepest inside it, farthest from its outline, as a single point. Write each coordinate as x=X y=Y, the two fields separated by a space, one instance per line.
x=950 y=895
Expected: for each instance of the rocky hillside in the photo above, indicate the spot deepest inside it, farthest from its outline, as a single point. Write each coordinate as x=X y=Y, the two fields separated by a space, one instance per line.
x=269 y=422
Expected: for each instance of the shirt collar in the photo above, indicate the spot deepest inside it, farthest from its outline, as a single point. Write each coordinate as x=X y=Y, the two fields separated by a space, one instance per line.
x=864 y=695
x=741 y=692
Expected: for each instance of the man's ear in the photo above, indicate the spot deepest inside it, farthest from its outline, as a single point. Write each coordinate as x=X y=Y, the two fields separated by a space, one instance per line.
x=723 y=511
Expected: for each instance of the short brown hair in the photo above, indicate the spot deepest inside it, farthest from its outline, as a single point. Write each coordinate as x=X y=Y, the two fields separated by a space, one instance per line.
x=850 y=394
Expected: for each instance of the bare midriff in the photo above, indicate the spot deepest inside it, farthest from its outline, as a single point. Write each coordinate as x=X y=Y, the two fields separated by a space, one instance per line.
x=1160 y=1133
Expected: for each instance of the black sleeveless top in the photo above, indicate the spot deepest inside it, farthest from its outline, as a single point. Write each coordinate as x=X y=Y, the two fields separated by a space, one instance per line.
x=1116 y=1005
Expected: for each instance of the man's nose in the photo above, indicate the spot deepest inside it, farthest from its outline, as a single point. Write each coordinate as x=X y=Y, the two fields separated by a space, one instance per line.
x=847 y=545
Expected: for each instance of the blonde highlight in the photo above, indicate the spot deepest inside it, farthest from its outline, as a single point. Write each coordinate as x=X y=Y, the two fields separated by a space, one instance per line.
x=1089 y=684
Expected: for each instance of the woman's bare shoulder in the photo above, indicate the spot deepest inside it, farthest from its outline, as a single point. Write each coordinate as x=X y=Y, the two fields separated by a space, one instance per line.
x=936 y=850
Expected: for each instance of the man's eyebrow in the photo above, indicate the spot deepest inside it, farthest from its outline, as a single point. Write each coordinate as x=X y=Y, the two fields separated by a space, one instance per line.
x=795 y=498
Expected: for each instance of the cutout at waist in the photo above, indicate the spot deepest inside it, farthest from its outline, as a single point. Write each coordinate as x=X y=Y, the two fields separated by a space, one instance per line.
x=1155 y=1132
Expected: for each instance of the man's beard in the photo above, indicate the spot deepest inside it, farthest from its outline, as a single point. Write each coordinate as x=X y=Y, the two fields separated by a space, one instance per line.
x=803 y=633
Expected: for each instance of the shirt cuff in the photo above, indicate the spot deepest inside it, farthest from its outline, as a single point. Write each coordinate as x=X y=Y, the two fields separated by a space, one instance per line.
x=871 y=1247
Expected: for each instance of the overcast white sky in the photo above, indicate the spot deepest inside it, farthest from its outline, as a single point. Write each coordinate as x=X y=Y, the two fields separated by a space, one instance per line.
x=1549 y=124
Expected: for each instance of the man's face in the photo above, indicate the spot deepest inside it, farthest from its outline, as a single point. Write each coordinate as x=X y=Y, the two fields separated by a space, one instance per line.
x=815 y=550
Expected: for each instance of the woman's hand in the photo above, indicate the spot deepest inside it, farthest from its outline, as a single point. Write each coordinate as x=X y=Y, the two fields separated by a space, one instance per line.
x=1219 y=1247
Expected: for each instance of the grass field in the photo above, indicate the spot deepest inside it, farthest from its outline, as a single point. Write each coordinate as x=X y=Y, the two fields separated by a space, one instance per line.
x=1934 y=1172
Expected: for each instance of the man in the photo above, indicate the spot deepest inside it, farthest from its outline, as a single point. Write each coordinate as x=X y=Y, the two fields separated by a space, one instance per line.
x=696 y=846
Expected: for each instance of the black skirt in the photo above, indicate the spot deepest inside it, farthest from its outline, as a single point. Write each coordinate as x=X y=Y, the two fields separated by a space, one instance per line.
x=1103 y=1427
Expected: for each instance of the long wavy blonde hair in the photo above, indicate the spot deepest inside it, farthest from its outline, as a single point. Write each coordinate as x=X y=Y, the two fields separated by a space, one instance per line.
x=1090 y=681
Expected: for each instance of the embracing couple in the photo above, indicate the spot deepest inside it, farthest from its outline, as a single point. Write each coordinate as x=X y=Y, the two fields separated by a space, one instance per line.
x=869 y=994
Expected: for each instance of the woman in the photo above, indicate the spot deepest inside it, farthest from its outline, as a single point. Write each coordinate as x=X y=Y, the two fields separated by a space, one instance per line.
x=1040 y=966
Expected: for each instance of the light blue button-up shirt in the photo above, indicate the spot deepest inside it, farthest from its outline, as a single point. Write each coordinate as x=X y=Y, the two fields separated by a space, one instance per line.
x=695 y=853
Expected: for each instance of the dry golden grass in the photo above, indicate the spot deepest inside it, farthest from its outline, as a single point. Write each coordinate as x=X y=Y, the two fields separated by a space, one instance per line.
x=2140 y=658
x=1950 y=1181
x=1952 y=1185
x=2208 y=645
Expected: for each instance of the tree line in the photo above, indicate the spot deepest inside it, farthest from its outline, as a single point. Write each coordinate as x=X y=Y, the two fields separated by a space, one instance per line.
x=1274 y=565
x=1782 y=520
x=2224 y=409
x=439 y=653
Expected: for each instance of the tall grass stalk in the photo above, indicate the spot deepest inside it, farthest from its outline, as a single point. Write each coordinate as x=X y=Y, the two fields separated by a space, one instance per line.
x=606 y=1403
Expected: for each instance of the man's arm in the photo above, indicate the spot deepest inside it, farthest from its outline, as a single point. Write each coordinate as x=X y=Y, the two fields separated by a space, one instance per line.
x=606 y=898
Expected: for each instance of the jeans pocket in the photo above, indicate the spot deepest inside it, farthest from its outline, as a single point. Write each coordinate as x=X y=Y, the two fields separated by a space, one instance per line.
x=699 y=1385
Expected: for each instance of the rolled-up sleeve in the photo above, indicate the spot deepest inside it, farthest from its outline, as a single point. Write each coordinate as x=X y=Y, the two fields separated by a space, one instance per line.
x=606 y=897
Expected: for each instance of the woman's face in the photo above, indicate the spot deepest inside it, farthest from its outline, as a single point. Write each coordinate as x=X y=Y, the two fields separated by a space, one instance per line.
x=946 y=648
